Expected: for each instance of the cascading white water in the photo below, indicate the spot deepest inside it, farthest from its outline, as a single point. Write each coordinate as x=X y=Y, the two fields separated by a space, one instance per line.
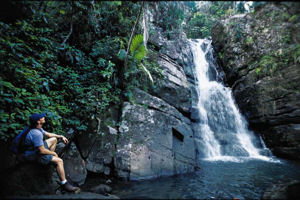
x=222 y=132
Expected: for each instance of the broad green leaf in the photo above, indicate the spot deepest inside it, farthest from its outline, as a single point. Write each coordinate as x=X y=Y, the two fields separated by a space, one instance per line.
x=122 y=54
x=136 y=42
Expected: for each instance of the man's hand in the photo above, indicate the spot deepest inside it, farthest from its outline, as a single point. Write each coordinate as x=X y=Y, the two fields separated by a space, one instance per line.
x=55 y=154
x=65 y=139
x=43 y=150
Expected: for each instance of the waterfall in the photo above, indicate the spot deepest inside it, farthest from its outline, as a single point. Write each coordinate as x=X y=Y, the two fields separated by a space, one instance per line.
x=221 y=131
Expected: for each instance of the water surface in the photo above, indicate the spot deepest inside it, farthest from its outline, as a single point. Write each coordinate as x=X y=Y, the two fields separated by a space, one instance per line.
x=214 y=179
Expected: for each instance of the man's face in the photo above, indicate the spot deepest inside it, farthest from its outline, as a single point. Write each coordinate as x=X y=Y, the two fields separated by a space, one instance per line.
x=41 y=121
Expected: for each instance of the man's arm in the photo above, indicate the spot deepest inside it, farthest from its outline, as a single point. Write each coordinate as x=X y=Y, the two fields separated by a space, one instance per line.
x=43 y=150
x=57 y=136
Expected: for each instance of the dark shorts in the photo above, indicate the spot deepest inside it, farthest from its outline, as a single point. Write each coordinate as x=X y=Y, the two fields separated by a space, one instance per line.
x=45 y=159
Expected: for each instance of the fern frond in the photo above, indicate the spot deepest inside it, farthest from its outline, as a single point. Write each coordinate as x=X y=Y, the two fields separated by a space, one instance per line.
x=140 y=53
x=137 y=41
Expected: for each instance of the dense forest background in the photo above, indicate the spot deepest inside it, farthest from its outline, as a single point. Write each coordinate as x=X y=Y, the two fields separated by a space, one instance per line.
x=66 y=58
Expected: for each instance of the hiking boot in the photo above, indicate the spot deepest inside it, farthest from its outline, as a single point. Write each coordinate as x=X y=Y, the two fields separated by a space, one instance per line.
x=69 y=188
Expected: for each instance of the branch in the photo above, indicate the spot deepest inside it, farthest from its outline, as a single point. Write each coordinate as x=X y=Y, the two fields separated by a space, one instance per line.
x=67 y=37
x=71 y=28
x=128 y=47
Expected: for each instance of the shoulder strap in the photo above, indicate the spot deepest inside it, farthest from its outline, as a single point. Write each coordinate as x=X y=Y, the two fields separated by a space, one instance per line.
x=22 y=146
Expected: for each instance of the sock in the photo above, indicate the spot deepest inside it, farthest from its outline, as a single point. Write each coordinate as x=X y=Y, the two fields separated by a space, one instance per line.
x=63 y=182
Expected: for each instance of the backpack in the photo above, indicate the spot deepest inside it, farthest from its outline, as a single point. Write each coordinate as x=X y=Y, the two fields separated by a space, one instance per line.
x=18 y=145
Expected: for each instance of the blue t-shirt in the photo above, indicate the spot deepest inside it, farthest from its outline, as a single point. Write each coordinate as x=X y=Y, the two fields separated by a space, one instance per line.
x=34 y=139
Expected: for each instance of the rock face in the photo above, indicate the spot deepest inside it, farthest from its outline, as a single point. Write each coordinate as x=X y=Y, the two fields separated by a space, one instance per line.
x=260 y=55
x=74 y=166
x=288 y=190
x=155 y=136
x=176 y=60
x=155 y=140
x=98 y=147
x=25 y=178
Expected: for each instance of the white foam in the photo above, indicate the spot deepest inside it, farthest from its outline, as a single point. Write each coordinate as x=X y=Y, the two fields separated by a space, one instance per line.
x=217 y=109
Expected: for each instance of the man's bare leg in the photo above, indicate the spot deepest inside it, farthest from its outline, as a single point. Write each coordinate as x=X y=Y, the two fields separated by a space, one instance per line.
x=60 y=167
x=61 y=172
x=51 y=142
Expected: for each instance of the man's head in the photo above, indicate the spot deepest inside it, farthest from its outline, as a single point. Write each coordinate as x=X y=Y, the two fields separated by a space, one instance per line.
x=37 y=120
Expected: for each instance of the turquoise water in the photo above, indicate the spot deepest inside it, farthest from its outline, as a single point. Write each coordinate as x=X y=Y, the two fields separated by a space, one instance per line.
x=214 y=179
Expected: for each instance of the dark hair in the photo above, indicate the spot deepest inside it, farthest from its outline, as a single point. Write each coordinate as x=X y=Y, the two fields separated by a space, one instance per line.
x=33 y=123
x=34 y=118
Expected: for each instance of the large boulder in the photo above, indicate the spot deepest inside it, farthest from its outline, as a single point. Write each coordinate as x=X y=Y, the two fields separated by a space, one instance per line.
x=155 y=140
x=259 y=53
x=289 y=190
x=98 y=145
x=18 y=177
x=74 y=165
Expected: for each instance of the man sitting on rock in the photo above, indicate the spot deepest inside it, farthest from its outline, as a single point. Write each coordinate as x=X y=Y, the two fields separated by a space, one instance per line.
x=44 y=151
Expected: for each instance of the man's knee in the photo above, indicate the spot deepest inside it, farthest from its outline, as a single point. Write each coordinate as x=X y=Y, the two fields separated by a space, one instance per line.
x=51 y=141
x=54 y=140
x=57 y=161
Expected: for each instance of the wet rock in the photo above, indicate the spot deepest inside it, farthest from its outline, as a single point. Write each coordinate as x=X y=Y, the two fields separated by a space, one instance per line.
x=174 y=87
x=284 y=140
x=18 y=177
x=98 y=146
x=28 y=178
x=175 y=58
x=155 y=140
x=74 y=165
x=82 y=195
x=288 y=190
x=101 y=189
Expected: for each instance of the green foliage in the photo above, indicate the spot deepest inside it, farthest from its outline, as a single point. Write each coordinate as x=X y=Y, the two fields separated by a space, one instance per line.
x=137 y=48
x=220 y=55
x=267 y=64
x=294 y=18
x=284 y=16
x=204 y=19
x=171 y=15
x=286 y=38
x=199 y=26
x=296 y=53
x=238 y=32
x=70 y=81
x=257 y=70
x=257 y=4
x=241 y=7
x=249 y=40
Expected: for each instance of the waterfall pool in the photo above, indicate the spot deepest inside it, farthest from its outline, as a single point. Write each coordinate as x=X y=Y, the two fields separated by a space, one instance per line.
x=215 y=179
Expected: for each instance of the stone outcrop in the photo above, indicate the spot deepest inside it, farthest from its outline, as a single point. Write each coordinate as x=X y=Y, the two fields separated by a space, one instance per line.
x=176 y=61
x=82 y=195
x=289 y=190
x=75 y=166
x=155 y=140
x=155 y=135
x=260 y=55
x=25 y=178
